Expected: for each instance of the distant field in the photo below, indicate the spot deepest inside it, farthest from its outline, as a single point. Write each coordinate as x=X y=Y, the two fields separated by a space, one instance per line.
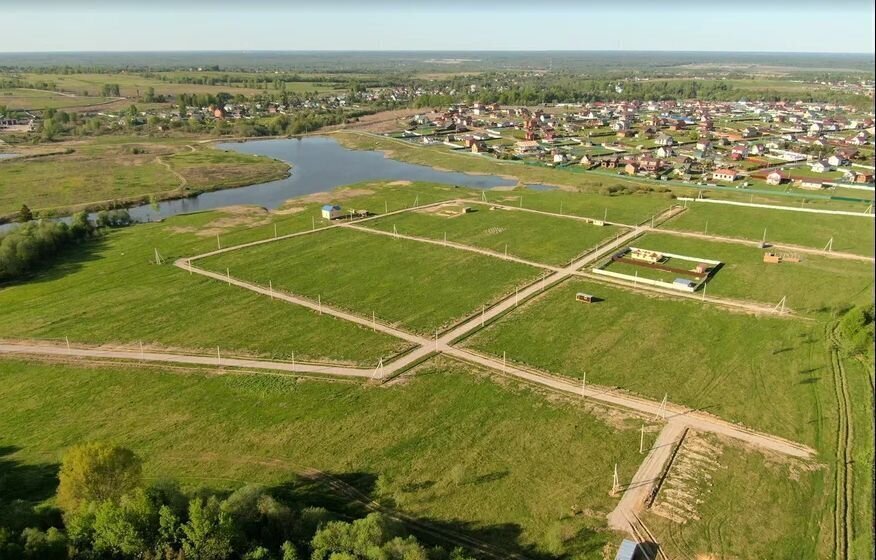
x=124 y=168
x=108 y=292
x=814 y=285
x=37 y=100
x=421 y=287
x=447 y=445
x=130 y=85
x=850 y=233
x=527 y=235
x=763 y=372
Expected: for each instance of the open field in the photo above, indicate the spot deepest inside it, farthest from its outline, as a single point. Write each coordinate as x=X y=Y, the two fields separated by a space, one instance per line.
x=125 y=168
x=761 y=504
x=419 y=286
x=657 y=346
x=527 y=235
x=20 y=99
x=459 y=461
x=130 y=85
x=814 y=285
x=108 y=292
x=626 y=209
x=850 y=233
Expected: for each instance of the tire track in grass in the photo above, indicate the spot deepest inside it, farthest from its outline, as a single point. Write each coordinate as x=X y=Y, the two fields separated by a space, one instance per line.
x=844 y=437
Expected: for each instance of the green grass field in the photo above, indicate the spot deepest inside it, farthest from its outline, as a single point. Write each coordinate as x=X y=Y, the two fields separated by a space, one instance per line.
x=446 y=446
x=108 y=292
x=816 y=284
x=850 y=233
x=527 y=235
x=125 y=168
x=762 y=372
x=759 y=506
x=421 y=287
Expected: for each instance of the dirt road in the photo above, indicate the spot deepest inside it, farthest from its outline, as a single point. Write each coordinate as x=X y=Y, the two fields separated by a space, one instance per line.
x=647 y=476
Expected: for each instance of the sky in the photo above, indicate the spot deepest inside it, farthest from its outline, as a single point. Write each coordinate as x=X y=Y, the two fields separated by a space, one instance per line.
x=669 y=25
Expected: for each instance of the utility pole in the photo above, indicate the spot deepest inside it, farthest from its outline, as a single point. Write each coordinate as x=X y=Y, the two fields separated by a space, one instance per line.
x=662 y=412
x=642 y=440
x=218 y=243
x=615 y=482
x=271 y=288
x=228 y=276
x=584 y=384
x=319 y=301
x=275 y=231
x=67 y=340
x=218 y=357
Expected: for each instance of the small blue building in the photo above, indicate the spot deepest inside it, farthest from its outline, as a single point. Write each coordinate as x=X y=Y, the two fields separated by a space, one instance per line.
x=627 y=550
x=331 y=211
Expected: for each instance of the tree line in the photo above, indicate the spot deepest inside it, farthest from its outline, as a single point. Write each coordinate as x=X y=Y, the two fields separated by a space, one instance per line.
x=35 y=244
x=106 y=510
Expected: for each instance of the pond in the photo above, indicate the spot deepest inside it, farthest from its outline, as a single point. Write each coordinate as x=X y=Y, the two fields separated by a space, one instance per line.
x=319 y=164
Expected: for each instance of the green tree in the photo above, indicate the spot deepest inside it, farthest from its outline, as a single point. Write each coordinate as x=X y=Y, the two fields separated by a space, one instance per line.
x=48 y=545
x=25 y=214
x=209 y=531
x=96 y=472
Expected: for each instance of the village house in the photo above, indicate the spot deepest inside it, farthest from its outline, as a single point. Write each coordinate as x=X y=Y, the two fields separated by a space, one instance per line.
x=836 y=160
x=776 y=178
x=664 y=140
x=526 y=146
x=729 y=175
x=821 y=167
x=664 y=152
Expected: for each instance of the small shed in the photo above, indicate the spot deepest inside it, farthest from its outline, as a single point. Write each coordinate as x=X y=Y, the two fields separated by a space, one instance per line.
x=467 y=209
x=627 y=550
x=683 y=282
x=332 y=211
x=582 y=297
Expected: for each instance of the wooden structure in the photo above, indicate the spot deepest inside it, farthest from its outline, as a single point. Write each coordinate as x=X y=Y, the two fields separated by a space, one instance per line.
x=774 y=258
x=584 y=298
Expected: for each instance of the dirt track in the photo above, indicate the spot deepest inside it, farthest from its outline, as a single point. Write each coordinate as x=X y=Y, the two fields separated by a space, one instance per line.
x=677 y=417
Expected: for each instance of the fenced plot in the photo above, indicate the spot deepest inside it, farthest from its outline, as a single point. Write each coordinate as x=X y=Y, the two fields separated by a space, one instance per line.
x=415 y=285
x=535 y=237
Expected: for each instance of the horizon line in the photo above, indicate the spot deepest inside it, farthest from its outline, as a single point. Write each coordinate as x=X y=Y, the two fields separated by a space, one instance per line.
x=199 y=51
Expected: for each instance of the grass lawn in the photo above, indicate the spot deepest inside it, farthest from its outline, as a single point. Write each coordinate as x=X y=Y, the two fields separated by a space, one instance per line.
x=764 y=372
x=108 y=292
x=816 y=284
x=421 y=287
x=850 y=233
x=460 y=461
x=125 y=168
x=535 y=237
x=751 y=506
